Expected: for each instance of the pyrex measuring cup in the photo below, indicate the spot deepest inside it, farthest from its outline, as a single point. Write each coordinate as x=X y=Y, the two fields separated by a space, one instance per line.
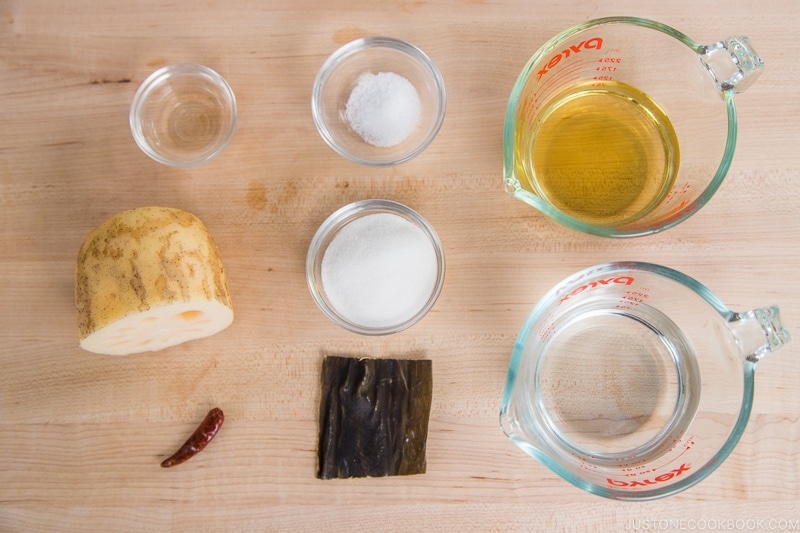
x=622 y=126
x=633 y=381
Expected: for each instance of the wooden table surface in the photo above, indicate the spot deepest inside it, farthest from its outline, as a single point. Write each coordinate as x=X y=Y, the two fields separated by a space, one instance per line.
x=82 y=435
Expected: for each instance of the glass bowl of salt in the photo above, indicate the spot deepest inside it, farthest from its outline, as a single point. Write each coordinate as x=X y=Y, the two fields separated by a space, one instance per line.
x=378 y=101
x=375 y=267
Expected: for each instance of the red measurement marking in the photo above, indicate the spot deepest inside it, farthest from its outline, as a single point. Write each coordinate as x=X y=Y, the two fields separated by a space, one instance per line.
x=544 y=333
x=562 y=76
x=677 y=441
x=632 y=299
x=677 y=192
x=565 y=76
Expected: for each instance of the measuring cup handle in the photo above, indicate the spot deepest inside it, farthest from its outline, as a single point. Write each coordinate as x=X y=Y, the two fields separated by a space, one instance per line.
x=733 y=63
x=758 y=332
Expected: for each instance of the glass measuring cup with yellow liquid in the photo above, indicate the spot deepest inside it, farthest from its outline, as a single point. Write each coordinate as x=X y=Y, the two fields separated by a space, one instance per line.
x=623 y=127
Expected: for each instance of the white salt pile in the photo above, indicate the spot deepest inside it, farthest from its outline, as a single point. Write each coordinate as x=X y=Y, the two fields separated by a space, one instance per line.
x=379 y=270
x=383 y=108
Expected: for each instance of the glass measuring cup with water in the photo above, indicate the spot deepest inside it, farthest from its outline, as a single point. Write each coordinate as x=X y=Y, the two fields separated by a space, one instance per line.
x=623 y=126
x=633 y=381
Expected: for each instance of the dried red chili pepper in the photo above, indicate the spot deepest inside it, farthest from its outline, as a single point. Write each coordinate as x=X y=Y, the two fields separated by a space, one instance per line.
x=199 y=439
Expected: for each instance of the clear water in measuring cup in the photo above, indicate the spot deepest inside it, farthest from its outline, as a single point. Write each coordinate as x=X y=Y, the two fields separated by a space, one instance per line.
x=611 y=384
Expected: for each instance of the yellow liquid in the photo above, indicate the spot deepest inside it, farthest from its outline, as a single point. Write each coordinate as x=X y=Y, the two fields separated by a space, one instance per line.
x=605 y=154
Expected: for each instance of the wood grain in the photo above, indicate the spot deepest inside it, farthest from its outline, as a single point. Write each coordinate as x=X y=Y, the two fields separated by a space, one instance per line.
x=82 y=435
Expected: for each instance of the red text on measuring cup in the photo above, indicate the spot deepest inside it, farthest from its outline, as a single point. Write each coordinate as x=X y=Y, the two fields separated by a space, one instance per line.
x=624 y=280
x=595 y=43
x=658 y=479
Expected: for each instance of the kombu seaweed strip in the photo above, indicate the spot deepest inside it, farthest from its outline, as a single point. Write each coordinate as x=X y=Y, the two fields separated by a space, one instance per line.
x=373 y=417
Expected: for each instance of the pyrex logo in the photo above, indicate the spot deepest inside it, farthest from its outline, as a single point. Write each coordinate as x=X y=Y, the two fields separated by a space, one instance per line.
x=623 y=280
x=656 y=480
x=594 y=43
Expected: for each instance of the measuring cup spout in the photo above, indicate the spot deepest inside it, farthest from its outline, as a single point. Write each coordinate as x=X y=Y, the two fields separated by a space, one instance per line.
x=733 y=63
x=508 y=421
x=511 y=426
x=758 y=332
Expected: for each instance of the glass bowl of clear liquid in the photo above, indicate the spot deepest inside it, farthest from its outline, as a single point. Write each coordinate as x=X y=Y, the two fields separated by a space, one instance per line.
x=183 y=115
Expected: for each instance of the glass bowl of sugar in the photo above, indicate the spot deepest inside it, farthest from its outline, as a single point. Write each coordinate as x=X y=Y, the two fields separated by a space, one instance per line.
x=375 y=267
x=378 y=101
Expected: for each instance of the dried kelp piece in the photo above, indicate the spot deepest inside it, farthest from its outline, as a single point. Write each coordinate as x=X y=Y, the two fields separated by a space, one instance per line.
x=373 y=417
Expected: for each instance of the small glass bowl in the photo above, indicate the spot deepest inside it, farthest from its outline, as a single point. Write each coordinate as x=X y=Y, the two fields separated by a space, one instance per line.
x=326 y=233
x=183 y=115
x=340 y=74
